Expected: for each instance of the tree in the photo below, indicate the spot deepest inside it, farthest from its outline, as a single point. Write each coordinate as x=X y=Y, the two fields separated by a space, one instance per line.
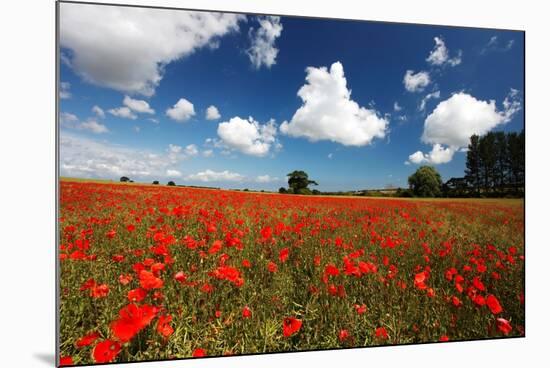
x=298 y=182
x=425 y=182
x=124 y=179
x=155 y=182
x=282 y=190
x=473 y=170
x=171 y=183
x=488 y=159
x=516 y=157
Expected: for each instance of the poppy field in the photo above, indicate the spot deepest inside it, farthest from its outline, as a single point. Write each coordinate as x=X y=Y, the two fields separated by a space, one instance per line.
x=153 y=272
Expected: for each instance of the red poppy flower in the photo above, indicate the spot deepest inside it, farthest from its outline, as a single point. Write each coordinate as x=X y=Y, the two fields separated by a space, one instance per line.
x=493 y=304
x=132 y=319
x=246 y=263
x=198 y=353
x=216 y=247
x=110 y=234
x=360 y=309
x=163 y=326
x=381 y=333
x=247 y=313
x=125 y=279
x=504 y=326
x=137 y=295
x=118 y=258
x=87 y=339
x=148 y=280
x=88 y=284
x=106 y=351
x=99 y=291
x=266 y=232
x=291 y=326
x=332 y=270
x=283 y=255
x=271 y=267
x=444 y=338
x=343 y=335
x=180 y=276
x=66 y=360
x=419 y=280
x=479 y=301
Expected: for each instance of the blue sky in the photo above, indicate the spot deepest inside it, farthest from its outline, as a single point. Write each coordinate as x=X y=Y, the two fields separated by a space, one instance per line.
x=357 y=123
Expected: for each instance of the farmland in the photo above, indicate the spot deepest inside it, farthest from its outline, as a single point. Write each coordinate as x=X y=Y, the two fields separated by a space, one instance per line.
x=153 y=272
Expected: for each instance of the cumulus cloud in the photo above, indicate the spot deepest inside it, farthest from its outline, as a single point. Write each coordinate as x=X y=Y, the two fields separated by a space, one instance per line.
x=89 y=158
x=123 y=112
x=212 y=113
x=64 y=90
x=71 y=121
x=329 y=113
x=171 y=173
x=440 y=54
x=98 y=111
x=215 y=176
x=265 y=179
x=429 y=96
x=191 y=150
x=140 y=106
x=248 y=136
x=396 y=107
x=128 y=49
x=451 y=124
x=93 y=126
x=263 y=50
x=416 y=82
x=183 y=110
x=438 y=155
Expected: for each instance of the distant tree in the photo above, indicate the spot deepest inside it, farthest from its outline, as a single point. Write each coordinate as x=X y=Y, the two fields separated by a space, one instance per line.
x=455 y=187
x=298 y=181
x=473 y=165
x=501 y=162
x=516 y=157
x=155 y=182
x=488 y=159
x=124 y=179
x=282 y=190
x=425 y=182
x=131 y=181
x=171 y=183
x=303 y=191
x=315 y=192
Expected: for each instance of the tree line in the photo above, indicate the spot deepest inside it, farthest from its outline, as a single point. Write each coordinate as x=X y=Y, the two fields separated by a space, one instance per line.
x=495 y=167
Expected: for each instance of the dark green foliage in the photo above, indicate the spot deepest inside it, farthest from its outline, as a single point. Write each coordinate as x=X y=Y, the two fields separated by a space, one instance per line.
x=298 y=182
x=171 y=183
x=425 y=182
x=124 y=179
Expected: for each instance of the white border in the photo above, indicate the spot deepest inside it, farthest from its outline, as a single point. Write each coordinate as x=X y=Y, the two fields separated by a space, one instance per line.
x=27 y=203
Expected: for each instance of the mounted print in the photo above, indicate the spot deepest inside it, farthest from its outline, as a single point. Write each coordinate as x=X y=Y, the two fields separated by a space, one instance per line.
x=235 y=184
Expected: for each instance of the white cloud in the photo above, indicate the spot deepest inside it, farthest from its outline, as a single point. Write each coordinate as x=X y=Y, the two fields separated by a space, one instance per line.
x=329 y=113
x=98 y=111
x=451 y=124
x=216 y=176
x=140 y=106
x=247 y=136
x=128 y=49
x=64 y=90
x=123 y=112
x=137 y=129
x=171 y=173
x=191 y=150
x=265 y=179
x=495 y=44
x=212 y=113
x=440 y=54
x=416 y=82
x=153 y=120
x=454 y=120
x=429 y=96
x=438 y=155
x=396 y=107
x=71 y=121
x=208 y=153
x=263 y=50
x=183 y=110
x=330 y=156
x=93 y=126
x=89 y=158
